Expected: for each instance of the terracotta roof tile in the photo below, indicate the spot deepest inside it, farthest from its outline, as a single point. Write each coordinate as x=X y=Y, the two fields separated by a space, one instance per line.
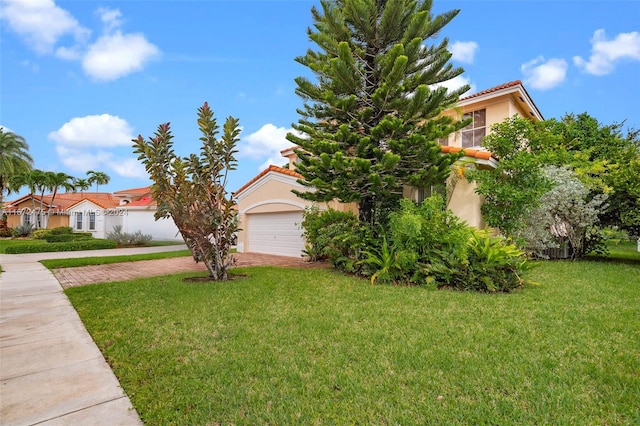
x=142 y=202
x=271 y=168
x=134 y=191
x=493 y=89
x=469 y=152
x=64 y=200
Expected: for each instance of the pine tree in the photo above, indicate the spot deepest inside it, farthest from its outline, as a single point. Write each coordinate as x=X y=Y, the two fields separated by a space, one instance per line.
x=371 y=120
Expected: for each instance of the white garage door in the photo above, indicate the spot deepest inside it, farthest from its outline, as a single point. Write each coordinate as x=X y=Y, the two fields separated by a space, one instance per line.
x=275 y=233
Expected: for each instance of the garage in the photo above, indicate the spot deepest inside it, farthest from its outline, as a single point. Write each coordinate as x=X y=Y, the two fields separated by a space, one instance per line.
x=275 y=233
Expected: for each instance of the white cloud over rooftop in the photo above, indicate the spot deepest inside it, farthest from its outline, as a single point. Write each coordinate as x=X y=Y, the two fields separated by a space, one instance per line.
x=92 y=142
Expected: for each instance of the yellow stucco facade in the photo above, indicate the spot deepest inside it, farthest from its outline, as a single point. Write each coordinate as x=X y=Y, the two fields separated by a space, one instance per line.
x=270 y=192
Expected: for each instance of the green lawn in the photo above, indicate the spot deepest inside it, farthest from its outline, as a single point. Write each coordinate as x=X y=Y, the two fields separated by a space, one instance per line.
x=289 y=346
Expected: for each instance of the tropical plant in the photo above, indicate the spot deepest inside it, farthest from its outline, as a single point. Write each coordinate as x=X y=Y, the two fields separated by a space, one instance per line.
x=14 y=159
x=57 y=181
x=385 y=262
x=494 y=264
x=128 y=239
x=36 y=181
x=99 y=178
x=568 y=212
x=192 y=190
x=23 y=230
x=514 y=188
x=81 y=184
x=372 y=118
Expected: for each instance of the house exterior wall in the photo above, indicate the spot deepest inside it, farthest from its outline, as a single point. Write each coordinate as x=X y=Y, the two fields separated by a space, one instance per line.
x=17 y=218
x=142 y=219
x=271 y=194
x=86 y=208
x=496 y=110
x=465 y=203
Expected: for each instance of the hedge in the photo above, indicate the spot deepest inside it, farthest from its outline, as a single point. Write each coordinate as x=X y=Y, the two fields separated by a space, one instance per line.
x=92 y=244
x=63 y=238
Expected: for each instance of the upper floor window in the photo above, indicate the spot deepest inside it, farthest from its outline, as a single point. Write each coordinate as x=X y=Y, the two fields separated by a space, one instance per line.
x=475 y=131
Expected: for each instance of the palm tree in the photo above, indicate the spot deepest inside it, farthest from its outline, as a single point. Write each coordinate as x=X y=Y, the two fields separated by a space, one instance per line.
x=57 y=181
x=14 y=159
x=100 y=178
x=81 y=184
x=34 y=180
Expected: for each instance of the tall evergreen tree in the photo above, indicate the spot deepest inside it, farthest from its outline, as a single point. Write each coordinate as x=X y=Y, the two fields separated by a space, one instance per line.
x=371 y=118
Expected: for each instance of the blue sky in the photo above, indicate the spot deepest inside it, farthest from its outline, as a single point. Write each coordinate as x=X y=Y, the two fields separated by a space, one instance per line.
x=79 y=79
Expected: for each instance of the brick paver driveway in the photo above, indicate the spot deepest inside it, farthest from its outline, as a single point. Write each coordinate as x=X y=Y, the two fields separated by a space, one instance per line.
x=82 y=275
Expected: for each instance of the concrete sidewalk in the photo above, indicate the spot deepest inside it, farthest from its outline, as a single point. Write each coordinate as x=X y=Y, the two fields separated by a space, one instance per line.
x=51 y=371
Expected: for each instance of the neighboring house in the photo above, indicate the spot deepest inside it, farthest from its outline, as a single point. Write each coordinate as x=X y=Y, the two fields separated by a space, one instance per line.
x=137 y=209
x=95 y=212
x=94 y=215
x=81 y=211
x=270 y=214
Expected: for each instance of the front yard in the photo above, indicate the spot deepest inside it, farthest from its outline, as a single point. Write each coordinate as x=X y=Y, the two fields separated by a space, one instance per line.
x=290 y=346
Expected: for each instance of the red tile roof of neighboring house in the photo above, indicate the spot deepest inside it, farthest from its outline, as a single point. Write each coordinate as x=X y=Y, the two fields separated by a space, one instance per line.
x=134 y=191
x=64 y=200
x=142 y=202
x=271 y=168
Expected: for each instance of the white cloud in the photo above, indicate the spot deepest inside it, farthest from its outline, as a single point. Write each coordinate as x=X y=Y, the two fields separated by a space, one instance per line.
x=116 y=55
x=456 y=83
x=463 y=51
x=93 y=142
x=80 y=160
x=605 y=53
x=129 y=167
x=69 y=53
x=544 y=75
x=6 y=129
x=111 y=18
x=98 y=131
x=41 y=23
x=267 y=143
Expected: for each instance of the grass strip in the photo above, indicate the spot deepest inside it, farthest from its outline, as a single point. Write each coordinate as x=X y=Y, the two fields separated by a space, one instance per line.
x=86 y=261
x=292 y=346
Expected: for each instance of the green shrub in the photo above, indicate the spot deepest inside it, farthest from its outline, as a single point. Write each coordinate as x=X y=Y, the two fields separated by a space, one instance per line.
x=61 y=238
x=92 y=244
x=332 y=235
x=23 y=230
x=128 y=239
x=428 y=244
x=61 y=230
x=40 y=234
x=494 y=264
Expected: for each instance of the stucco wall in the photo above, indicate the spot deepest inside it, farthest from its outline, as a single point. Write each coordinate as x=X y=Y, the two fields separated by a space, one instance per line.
x=465 y=203
x=496 y=111
x=142 y=220
x=87 y=207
